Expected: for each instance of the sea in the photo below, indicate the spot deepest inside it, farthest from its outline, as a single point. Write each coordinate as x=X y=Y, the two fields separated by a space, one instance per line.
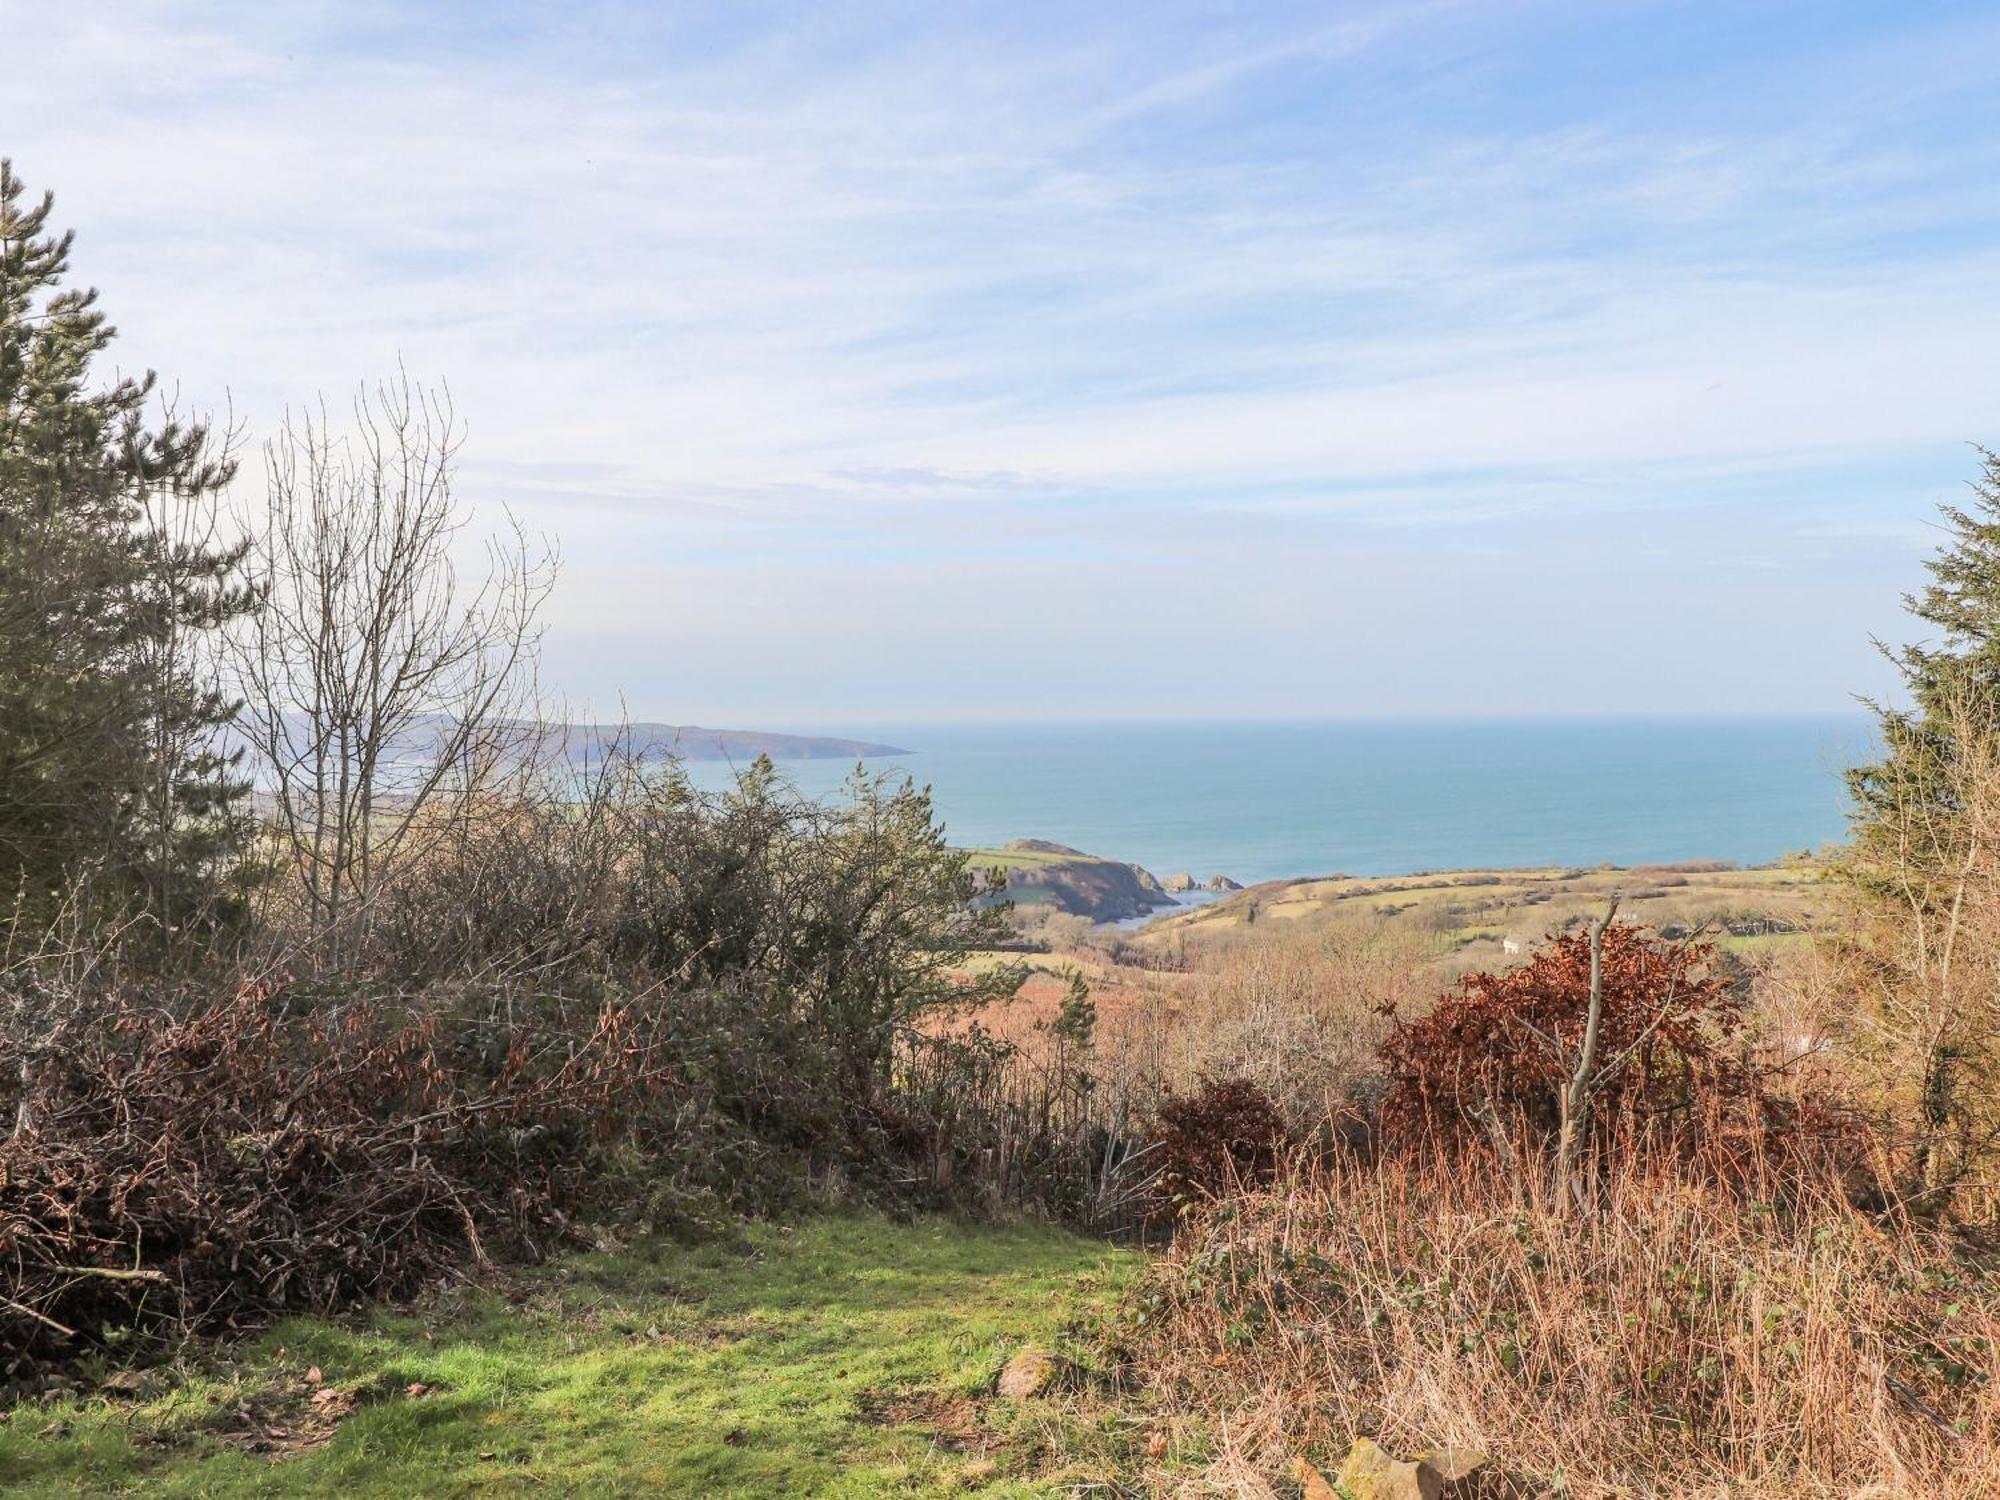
x=1270 y=800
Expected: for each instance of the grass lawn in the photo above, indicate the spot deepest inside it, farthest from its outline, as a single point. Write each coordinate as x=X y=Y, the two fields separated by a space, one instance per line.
x=848 y=1356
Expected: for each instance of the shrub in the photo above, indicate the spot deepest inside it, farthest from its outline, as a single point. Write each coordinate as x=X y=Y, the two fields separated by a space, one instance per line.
x=1496 y=1053
x=841 y=922
x=1296 y=1009
x=658 y=1005
x=1224 y=1136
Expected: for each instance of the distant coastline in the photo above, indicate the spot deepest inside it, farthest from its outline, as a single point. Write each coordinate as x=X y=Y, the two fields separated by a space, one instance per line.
x=697 y=743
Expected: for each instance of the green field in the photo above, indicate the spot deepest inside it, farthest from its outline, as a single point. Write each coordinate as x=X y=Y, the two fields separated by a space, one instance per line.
x=1025 y=859
x=1481 y=910
x=850 y=1356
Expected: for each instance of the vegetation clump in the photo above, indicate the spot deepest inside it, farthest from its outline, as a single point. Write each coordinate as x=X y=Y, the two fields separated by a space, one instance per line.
x=1221 y=1138
x=1683 y=1339
x=697 y=1045
x=1496 y=1060
x=202 y=1169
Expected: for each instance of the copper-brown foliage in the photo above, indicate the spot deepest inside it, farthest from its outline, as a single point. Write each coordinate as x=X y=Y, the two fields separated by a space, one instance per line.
x=1498 y=1051
x=1224 y=1136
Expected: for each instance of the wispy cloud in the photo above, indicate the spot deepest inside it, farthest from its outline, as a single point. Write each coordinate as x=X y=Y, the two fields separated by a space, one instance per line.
x=1164 y=303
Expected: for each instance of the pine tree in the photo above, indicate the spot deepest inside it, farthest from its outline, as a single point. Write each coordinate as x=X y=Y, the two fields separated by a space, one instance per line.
x=109 y=766
x=1926 y=852
x=1910 y=796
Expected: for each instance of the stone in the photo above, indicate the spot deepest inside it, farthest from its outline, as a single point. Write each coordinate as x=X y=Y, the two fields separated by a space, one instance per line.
x=1178 y=883
x=1032 y=1372
x=1220 y=883
x=1367 y=1473
x=1456 y=1465
x=1312 y=1483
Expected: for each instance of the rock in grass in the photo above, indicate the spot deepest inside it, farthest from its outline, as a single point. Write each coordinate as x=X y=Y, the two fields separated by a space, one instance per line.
x=1368 y=1473
x=1460 y=1468
x=1312 y=1483
x=1032 y=1372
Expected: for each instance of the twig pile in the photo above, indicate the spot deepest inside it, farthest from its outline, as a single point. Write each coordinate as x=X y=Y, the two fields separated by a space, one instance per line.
x=197 y=1172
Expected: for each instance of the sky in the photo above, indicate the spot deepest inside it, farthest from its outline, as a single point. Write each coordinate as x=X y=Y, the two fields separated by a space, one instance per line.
x=879 y=363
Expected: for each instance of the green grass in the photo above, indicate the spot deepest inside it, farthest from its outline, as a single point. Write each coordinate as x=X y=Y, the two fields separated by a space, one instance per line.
x=985 y=960
x=1026 y=859
x=850 y=1356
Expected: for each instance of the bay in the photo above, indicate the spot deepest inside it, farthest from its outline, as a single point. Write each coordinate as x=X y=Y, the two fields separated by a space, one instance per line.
x=1267 y=800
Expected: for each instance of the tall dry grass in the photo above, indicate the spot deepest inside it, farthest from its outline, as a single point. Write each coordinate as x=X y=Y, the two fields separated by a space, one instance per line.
x=1677 y=1340
x=1298 y=1011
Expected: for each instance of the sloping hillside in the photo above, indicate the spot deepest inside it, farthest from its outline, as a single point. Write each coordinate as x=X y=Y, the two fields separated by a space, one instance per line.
x=693 y=742
x=1040 y=873
x=1497 y=912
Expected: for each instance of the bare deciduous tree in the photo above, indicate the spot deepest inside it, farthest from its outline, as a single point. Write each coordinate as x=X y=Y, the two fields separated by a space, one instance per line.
x=385 y=693
x=1584 y=1078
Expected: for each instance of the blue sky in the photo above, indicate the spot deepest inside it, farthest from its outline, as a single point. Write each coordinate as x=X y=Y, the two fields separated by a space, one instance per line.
x=884 y=362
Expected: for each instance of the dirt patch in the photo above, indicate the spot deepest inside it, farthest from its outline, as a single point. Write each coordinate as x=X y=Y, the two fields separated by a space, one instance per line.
x=710 y=1335
x=951 y=1422
x=298 y=1415
x=282 y=1418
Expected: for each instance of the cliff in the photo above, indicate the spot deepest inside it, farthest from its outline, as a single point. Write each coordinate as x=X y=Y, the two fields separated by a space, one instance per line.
x=1037 y=872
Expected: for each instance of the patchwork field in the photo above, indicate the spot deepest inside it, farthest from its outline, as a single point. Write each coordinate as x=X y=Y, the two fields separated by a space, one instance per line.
x=1485 y=910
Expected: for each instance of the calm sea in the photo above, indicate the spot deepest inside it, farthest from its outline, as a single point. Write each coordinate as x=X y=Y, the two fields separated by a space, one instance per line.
x=1259 y=801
